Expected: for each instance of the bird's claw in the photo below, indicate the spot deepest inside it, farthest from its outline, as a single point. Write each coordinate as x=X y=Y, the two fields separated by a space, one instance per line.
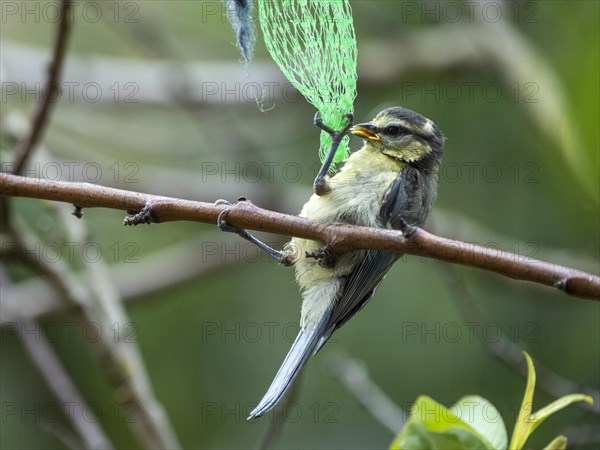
x=222 y=224
x=318 y=121
x=406 y=229
x=349 y=123
x=228 y=203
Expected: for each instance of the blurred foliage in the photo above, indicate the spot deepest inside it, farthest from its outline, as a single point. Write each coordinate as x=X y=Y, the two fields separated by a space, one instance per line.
x=474 y=423
x=212 y=345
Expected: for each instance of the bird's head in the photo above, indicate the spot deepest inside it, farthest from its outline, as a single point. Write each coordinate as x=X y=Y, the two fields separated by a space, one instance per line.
x=404 y=135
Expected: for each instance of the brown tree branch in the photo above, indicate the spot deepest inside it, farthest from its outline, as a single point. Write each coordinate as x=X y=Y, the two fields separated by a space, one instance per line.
x=40 y=118
x=339 y=237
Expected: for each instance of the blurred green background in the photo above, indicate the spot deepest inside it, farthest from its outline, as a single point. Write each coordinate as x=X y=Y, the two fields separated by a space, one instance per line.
x=517 y=97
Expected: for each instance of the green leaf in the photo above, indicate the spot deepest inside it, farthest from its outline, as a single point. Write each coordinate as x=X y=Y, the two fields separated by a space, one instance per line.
x=527 y=422
x=538 y=417
x=523 y=426
x=415 y=436
x=484 y=418
x=473 y=423
x=558 y=443
x=435 y=427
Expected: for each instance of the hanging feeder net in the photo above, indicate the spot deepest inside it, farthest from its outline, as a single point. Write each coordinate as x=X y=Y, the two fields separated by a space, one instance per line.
x=314 y=44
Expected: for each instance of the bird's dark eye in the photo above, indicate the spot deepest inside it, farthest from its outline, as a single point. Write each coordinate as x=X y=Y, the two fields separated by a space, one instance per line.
x=392 y=130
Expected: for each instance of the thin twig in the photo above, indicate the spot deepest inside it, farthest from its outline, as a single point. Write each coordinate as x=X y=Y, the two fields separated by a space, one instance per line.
x=50 y=367
x=150 y=425
x=120 y=356
x=353 y=374
x=339 y=237
x=278 y=417
x=31 y=299
x=52 y=88
x=20 y=237
x=64 y=435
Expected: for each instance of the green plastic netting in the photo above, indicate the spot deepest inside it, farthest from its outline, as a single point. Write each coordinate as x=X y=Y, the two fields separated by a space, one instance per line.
x=314 y=44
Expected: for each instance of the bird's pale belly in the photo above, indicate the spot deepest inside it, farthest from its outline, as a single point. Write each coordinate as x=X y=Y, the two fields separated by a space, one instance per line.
x=320 y=285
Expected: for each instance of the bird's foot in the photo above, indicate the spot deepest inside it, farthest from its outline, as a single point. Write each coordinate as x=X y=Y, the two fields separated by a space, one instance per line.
x=407 y=230
x=325 y=256
x=320 y=185
x=318 y=121
x=244 y=234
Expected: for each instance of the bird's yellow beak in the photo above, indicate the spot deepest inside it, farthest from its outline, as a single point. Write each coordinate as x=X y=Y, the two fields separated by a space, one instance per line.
x=366 y=131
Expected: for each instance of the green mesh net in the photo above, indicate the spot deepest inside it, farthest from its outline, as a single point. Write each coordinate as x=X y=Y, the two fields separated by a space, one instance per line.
x=314 y=44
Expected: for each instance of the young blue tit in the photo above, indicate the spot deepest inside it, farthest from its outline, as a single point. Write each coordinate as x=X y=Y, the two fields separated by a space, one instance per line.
x=392 y=179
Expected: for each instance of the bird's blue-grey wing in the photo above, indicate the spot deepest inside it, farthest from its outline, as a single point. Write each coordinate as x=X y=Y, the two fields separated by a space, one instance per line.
x=362 y=282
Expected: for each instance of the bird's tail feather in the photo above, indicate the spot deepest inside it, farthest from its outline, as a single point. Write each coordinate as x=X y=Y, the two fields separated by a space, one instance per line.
x=303 y=348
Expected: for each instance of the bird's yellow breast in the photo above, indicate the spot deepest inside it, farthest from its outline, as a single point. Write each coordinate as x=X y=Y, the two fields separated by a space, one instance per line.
x=356 y=197
x=356 y=191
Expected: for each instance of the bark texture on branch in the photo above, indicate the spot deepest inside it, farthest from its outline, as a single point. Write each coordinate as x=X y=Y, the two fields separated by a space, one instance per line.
x=339 y=237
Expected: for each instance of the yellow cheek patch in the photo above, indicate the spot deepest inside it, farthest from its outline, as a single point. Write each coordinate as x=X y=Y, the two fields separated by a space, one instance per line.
x=413 y=151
